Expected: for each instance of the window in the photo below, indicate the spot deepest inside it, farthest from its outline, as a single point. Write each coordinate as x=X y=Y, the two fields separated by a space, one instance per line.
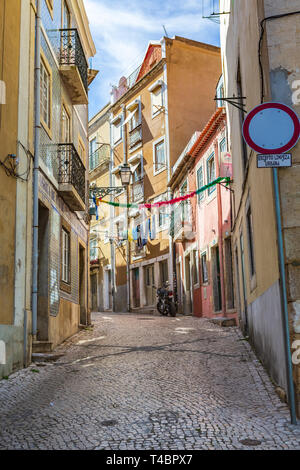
x=45 y=103
x=204 y=268
x=162 y=217
x=250 y=241
x=65 y=126
x=66 y=19
x=117 y=130
x=200 y=182
x=137 y=173
x=135 y=119
x=184 y=204
x=211 y=172
x=156 y=100
x=49 y=4
x=65 y=255
x=162 y=213
x=223 y=146
x=195 y=267
x=93 y=145
x=94 y=249
x=159 y=157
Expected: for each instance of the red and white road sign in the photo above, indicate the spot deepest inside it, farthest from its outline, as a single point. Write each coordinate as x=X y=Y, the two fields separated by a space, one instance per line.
x=271 y=128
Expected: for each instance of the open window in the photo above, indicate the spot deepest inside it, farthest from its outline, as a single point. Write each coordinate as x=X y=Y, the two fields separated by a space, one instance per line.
x=117 y=129
x=157 y=97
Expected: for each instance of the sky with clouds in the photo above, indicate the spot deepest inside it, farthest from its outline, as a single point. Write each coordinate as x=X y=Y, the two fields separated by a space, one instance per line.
x=121 y=31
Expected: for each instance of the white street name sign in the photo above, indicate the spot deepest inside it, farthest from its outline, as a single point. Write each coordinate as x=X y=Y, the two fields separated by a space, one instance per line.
x=279 y=160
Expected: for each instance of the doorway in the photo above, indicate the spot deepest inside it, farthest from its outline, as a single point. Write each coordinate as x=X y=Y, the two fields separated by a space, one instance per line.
x=216 y=276
x=43 y=275
x=83 y=311
x=188 y=307
x=94 y=288
x=150 y=286
x=136 y=287
x=107 y=290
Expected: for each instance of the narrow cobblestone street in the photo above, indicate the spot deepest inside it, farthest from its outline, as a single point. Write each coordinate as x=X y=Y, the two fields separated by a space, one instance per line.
x=146 y=382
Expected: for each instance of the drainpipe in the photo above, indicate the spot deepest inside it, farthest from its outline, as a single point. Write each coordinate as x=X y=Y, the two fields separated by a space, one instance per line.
x=127 y=201
x=35 y=242
x=285 y=313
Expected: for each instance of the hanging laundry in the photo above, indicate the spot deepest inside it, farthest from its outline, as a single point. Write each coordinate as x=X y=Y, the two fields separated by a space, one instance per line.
x=130 y=235
x=95 y=201
x=153 y=228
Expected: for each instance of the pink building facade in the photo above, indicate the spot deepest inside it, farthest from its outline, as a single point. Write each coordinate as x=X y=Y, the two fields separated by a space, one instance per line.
x=202 y=226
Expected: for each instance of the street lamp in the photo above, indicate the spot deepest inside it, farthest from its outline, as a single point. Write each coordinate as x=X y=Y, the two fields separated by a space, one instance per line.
x=125 y=174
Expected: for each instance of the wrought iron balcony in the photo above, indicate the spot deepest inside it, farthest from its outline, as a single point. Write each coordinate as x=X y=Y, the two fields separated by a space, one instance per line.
x=137 y=191
x=71 y=177
x=135 y=136
x=73 y=65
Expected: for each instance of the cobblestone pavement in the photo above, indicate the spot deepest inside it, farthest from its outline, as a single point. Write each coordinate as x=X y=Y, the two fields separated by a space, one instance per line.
x=146 y=382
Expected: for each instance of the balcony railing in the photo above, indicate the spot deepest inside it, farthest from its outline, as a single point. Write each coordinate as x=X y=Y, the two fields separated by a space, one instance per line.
x=71 y=174
x=100 y=157
x=135 y=136
x=137 y=191
x=72 y=54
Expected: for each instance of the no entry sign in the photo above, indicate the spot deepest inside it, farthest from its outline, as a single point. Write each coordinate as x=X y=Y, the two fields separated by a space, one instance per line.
x=271 y=128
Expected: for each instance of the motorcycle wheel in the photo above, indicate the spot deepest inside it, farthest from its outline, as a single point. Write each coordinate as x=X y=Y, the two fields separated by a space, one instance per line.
x=160 y=308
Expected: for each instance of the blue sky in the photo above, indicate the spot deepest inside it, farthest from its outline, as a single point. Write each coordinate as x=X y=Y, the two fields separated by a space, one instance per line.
x=121 y=31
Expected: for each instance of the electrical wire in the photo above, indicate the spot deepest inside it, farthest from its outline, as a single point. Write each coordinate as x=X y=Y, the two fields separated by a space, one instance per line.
x=10 y=165
x=262 y=26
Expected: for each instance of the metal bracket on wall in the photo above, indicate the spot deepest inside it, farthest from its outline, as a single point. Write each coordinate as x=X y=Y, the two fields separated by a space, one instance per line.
x=232 y=100
x=105 y=191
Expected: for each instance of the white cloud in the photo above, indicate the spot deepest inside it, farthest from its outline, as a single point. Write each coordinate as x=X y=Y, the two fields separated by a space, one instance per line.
x=122 y=29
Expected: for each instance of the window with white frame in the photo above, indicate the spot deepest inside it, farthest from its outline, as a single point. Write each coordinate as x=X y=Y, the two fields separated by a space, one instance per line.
x=159 y=156
x=137 y=172
x=162 y=213
x=93 y=147
x=94 y=249
x=184 y=204
x=157 y=99
x=65 y=265
x=45 y=103
x=223 y=145
x=200 y=182
x=211 y=172
x=117 y=130
x=134 y=121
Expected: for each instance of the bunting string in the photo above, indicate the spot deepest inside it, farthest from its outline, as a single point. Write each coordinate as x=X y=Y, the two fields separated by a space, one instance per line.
x=225 y=179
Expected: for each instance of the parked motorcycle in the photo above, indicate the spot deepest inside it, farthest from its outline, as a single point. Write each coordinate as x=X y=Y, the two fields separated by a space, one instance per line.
x=165 y=304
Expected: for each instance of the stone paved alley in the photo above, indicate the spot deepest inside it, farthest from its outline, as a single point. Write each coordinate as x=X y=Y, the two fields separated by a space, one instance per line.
x=146 y=382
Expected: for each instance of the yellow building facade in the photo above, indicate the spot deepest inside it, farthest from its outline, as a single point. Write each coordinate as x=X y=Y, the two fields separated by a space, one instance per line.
x=259 y=57
x=16 y=124
x=100 y=242
x=153 y=113
x=63 y=224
